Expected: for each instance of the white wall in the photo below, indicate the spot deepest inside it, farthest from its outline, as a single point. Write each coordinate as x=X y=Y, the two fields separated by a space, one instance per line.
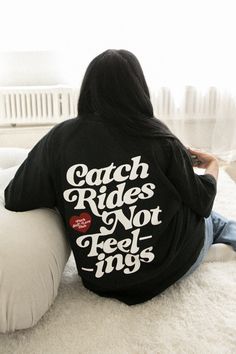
x=191 y=133
x=24 y=137
x=40 y=68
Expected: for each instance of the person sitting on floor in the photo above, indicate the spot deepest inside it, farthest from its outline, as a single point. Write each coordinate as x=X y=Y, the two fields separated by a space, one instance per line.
x=137 y=216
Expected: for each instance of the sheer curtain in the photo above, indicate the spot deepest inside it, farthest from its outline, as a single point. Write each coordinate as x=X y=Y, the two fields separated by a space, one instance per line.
x=204 y=119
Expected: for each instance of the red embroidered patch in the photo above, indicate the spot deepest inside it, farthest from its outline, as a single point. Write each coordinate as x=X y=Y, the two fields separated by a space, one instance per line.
x=81 y=222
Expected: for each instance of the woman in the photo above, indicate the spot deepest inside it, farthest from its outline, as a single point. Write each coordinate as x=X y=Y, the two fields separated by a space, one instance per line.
x=137 y=216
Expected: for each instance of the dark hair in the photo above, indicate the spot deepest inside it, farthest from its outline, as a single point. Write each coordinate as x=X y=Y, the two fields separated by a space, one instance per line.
x=115 y=88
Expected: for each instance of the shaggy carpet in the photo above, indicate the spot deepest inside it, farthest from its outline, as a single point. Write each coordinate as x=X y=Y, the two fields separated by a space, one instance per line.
x=195 y=315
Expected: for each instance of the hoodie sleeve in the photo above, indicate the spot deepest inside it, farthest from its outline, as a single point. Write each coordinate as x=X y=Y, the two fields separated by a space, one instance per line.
x=32 y=185
x=196 y=191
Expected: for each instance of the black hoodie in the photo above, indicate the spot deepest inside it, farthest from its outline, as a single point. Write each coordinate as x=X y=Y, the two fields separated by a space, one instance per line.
x=133 y=208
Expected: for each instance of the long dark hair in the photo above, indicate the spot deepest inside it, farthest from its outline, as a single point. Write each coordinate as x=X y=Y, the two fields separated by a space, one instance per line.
x=115 y=88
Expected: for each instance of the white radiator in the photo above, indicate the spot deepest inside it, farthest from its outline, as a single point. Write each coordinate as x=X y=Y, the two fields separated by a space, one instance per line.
x=34 y=105
x=37 y=104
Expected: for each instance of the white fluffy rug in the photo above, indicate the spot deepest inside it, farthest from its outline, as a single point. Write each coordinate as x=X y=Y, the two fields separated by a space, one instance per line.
x=196 y=315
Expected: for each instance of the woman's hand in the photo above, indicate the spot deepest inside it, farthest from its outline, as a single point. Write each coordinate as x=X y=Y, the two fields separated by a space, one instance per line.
x=206 y=161
x=204 y=158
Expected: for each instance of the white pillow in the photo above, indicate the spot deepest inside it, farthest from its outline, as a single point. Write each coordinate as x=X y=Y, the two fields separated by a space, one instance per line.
x=33 y=253
x=11 y=156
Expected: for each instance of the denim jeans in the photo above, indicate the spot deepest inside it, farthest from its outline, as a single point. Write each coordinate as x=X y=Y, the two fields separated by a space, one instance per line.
x=218 y=229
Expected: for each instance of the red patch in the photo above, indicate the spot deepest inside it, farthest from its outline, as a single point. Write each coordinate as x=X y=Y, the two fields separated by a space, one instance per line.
x=81 y=223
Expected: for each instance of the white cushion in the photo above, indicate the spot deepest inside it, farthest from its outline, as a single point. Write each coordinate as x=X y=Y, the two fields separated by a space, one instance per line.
x=12 y=156
x=33 y=253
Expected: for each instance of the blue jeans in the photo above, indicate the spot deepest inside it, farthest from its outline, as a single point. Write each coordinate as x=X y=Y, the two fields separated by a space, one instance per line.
x=218 y=229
